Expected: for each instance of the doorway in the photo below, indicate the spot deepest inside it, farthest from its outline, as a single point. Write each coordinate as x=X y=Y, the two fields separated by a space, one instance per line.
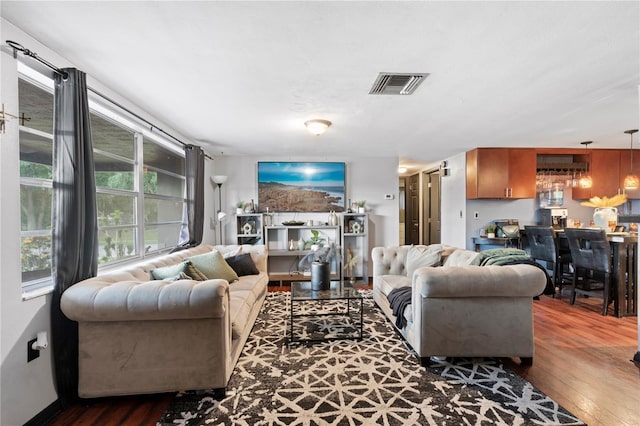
x=431 y=206
x=412 y=210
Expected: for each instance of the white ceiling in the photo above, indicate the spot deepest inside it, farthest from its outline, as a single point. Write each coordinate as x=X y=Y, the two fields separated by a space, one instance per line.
x=242 y=77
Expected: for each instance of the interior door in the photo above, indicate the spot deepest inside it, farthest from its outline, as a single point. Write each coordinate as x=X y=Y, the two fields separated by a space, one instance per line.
x=431 y=197
x=412 y=233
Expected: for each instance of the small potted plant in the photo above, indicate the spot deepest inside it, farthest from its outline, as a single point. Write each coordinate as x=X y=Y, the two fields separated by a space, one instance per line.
x=315 y=242
x=319 y=262
x=362 y=206
x=491 y=230
x=240 y=207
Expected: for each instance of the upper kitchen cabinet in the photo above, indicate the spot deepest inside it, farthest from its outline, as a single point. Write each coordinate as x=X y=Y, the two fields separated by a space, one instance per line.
x=606 y=174
x=501 y=173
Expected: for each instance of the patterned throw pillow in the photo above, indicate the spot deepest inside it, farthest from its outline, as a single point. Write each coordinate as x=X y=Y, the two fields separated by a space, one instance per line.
x=213 y=265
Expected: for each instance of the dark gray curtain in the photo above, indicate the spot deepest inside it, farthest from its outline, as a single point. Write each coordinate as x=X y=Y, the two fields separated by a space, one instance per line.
x=193 y=216
x=73 y=222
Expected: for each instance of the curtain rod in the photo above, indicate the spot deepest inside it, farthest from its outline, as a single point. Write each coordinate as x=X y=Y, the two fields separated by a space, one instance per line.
x=17 y=47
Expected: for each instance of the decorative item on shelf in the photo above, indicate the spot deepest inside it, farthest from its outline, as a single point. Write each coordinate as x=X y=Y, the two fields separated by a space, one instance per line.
x=300 y=244
x=240 y=207
x=585 y=180
x=356 y=227
x=350 y=265
x=606 y=214
x=247 y=228
x=319 y=261
x=491 y=230
x=268 y=218
x=349 y=206
x=292 y=245
x=362 y=206
x=315 y=242
x=631 y=181
x=333 y=218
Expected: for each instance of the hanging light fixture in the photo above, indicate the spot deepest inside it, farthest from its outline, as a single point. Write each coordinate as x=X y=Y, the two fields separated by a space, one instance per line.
x=317 y=127
x=631 y=181
x=585 y=180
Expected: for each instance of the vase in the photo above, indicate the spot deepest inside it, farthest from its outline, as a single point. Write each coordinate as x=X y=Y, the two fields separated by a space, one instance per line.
x=320 y=276
x=605 y=218
x=491 y=234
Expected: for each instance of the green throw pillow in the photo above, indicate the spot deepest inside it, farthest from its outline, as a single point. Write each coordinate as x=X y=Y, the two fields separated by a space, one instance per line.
x=194 y=272
x=170 y=271
x=213 y=265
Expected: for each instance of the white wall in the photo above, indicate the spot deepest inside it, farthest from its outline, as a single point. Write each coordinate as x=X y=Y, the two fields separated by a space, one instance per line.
x=367 y=179
x=25 y=388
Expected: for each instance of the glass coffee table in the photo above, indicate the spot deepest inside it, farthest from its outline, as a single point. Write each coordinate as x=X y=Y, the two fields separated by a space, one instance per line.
x=332 y=314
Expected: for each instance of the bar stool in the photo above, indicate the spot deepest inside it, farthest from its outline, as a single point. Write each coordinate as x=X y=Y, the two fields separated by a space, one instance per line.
x=591 y=258
x=544 y=246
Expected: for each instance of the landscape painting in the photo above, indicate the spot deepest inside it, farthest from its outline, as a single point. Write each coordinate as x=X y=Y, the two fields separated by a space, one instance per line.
x=301 y=186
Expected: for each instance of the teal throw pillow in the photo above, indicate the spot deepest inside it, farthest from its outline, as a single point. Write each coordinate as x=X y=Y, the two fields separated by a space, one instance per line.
x=166 y=272
x=213 y=265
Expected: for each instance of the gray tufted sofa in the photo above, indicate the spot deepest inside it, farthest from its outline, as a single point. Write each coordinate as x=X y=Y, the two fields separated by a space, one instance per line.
x=460 y=310
x=138 y=335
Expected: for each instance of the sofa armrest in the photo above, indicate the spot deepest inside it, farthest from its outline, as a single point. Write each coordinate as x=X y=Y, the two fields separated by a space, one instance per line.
x=98 y=300
x=479 y=281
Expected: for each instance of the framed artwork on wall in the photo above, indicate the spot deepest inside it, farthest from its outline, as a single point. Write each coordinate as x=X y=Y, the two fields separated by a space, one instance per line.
x=301 y=186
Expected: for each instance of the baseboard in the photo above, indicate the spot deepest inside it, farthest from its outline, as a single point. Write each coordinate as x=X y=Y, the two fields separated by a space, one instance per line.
x=47 y=415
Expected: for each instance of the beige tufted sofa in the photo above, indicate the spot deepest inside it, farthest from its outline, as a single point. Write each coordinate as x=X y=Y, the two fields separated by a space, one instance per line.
x=138 y=335
x=459 y=310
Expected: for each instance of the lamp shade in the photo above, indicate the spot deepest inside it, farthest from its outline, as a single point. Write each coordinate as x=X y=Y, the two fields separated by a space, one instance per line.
x=631 y=182
x=317 y=127
x=219 y=179
x=585 y=182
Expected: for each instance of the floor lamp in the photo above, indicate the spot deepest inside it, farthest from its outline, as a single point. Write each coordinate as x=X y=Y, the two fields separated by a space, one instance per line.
x=219 y=180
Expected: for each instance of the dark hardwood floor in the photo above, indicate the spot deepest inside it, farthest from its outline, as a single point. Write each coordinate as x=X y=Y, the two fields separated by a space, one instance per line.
x=582 y=361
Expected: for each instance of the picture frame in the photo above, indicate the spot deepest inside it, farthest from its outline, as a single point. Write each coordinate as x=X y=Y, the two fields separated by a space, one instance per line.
x=293 y=186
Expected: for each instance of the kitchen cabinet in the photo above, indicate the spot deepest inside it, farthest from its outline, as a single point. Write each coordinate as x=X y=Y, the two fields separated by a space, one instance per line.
x=501 y=173
x=605 y=171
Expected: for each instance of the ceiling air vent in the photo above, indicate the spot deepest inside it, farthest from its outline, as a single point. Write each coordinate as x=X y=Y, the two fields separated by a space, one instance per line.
x=396 y=84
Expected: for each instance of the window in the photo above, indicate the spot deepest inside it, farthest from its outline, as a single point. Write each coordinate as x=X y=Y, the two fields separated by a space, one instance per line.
x=36 y=141
x=140 y=185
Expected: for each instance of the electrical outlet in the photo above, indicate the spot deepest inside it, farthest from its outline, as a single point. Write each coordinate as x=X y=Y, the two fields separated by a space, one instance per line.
x=32 y=353
x=388 y=196
x=476 y=215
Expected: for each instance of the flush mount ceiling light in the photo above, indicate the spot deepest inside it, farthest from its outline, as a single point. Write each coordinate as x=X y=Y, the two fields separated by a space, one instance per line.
x=631 y=181
x=402 y=169
x=317 y=127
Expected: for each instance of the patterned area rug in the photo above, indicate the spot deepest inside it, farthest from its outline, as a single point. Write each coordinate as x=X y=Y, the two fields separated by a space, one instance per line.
x=348 y=382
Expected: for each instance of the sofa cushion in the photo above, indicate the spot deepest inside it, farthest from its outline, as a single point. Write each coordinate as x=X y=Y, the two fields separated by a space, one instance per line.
x=213 y=265
x=242 y=264
x=389 y=282
x=461 y=257
x=194 y=272
x=420 y=256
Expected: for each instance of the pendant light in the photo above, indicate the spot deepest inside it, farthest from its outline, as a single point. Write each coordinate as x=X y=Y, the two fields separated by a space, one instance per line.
x=631 y=181
x=585 y=181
